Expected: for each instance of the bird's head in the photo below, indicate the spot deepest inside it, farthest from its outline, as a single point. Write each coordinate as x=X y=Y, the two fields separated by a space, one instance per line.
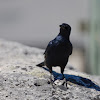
x=65 y=29
x=65 y=26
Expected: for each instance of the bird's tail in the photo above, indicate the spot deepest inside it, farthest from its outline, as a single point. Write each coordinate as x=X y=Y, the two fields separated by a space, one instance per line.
x=41 y=64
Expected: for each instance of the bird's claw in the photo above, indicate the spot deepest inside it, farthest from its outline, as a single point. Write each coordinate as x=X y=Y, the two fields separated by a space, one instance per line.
x=58 y=82
x=52 y=78
x=61 y=82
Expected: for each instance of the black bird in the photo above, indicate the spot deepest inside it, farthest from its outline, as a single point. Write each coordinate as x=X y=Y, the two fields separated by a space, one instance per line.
x=58 y=50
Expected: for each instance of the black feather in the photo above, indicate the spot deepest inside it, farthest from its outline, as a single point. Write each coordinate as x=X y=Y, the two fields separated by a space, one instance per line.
x=40 y=64
x=59 y=49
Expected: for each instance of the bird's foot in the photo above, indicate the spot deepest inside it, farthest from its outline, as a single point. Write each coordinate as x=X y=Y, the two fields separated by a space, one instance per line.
x=58 y=82
x=61 y=82
x=52 y=80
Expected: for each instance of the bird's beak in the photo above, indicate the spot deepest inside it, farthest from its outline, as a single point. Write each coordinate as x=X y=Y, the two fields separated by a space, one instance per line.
x=60 y=25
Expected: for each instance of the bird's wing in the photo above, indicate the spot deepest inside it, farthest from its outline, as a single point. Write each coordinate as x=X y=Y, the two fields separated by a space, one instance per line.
x=59 y=46
x=48 y=47
x=53 y=44
x=70 y=49
x=63 y=48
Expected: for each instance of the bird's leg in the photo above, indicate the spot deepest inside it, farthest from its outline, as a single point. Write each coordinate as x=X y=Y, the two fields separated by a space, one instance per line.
x=51 y=76
x=62 y=71
x=65 y=81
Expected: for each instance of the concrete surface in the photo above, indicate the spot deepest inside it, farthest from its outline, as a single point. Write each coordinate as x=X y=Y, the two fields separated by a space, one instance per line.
x=20 y=79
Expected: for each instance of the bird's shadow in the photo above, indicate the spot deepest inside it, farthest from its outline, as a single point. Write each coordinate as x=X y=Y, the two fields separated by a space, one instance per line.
x=76 y=80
